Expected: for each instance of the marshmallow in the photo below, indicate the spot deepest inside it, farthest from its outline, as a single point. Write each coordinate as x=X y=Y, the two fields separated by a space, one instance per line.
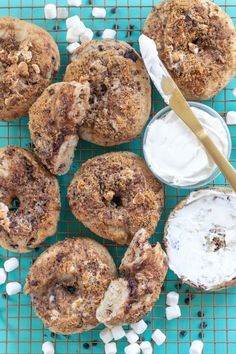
x=132 y=349
x=76 y=3
x=196 y=347
x=72 y=21
x=106 y=335
x=234 y=92
x=99 y=12
x=158 y=337
x=146 y=347
x=72 y=47
x=139 y=327
x=173 y=312
x=86 y=36
x=110 y=348
x=132 y=337
x=62 y=13
x=71 y=37
x=79 y=29
x=172 y=298
x=11 y=264
x=231 y=117
x=108 y=34
x=118 y=332
x=3 y=276
x=13 y=288
x=50 y=11
x=48 y=348
x=148 y=351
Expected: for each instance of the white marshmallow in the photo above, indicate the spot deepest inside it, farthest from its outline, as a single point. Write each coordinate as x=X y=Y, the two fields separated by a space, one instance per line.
x=145 y=345
x=106 y=335
x=86 y=36
x=172 y=298
x=196 y=347
x=159 y=337
x=108 y=34
x=11 y=264
x=99 y=12
x=71 y=37
x=111 y=348
x=234 y=92
x=50 y=11
x=132 y=349
x=148 y=351
x=72 y=47
x=139 y=327
x=76 y=3
x=118 y=332
x=3 y=276
x=62 y=13
x=72 y=21
x=231 y=117
x=13 y=288
x=132 y=337
x=48 y=348
x=79 y=29
x=173 y=312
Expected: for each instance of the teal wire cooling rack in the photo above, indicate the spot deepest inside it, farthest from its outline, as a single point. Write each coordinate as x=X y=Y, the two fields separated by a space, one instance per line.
x=21 y=332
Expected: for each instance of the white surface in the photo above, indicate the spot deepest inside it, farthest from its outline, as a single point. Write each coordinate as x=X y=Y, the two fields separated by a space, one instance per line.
x=3 y=276
x=132 y=349
x=13 y=288
x=76 y=3
x=173 y=312
x=71 y=37
x=86 y=36
x=99 y=12
x=11 y=264
x=231 y=117
x=106 y=335
x=132 y=337
x=111 y=348
x=118 y=332
x=172 y=298
x=48 y=348
x=62 y=13
x=139 y=327
x=72 y=21
x=190 y=233
x=50 y=11
x=196 y=347
x=72 y=47
x=159 y=337
x=109 y=34
x=174 y=153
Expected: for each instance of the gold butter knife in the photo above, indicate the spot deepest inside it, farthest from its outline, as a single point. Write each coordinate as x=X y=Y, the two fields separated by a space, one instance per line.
x=175 y=99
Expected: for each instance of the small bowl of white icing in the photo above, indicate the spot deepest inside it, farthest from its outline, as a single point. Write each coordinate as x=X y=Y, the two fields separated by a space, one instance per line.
x=175 y=155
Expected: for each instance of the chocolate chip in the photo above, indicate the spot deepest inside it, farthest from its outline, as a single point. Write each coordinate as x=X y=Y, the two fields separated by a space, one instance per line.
x=56 y=28
x=53 y=335
x=115 y=27
x=100 y=48
x=51 y=91
x=94 y=343
x=200 y=314
x=34 y=282
x=59 y=256
x=201 y=335
x=86 y=345
x=98 y=33
x=183 y=333
x=203 y=324
x=178 y=286
x=113 y=10
x=4 y=296
x=90 y=2
x=130 y=30
x=130 y=54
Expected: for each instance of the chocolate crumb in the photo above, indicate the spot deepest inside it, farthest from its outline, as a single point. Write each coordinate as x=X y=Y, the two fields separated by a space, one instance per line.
x=98 y=33
x=4 y=296
x=183 y=333
x=86 y=345
x=200 y=314
x=56 y=28
x=130 y=54
x=178 y=286
x=203 y=324
x=115 y=26
x=201 y=335
x=113 y=10
x=53 y=335
x=94 y=343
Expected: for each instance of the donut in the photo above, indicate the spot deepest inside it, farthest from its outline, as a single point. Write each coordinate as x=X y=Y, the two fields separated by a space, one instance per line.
x=54 y=122
x=200 y=237
x=115 y=195
x=67 y=282
x=196 y=40
x=29 y=201
x=120 y=99
x=29 y=59
x=129 y=298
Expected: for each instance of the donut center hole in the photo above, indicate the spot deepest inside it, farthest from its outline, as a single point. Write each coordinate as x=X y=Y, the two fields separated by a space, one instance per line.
x=71 y=289
x=116 y=200
x=216 y=239
x=15 y=204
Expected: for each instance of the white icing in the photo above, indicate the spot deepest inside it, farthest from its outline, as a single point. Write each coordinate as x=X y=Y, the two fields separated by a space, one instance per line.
x=176 y=155
x=201 y=238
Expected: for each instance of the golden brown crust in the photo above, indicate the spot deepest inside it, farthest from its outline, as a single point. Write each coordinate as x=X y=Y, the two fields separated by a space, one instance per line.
x=196 y=40
x=115 y=195
x=23 y=177
x=120 y=99
x=29 y=59
x=54 y=122
x=67 y=282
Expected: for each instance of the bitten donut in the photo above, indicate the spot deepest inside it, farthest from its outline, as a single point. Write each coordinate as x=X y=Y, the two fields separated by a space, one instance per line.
x=54 y=122
x=130 y=298
x=34 y=217
x=29 y=59
x=67 y=282
x=196 y=40
x=115 y=195
x=120 y=97
x=200 y=238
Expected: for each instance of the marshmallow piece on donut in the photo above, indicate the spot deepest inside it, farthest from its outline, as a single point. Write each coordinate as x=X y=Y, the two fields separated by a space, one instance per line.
x=76 y=3
x=13 y=288
x=110 y=348
x=48 y=348
x=99 y=12
x=132 y=337
x=3 y=276
x=172 y=298
x=173 y=312
x=62 y=13
x=50 y=11
x=139 y=327
x=11 y=264
x=106 y=335
x=72 y=21
x=72 y=47
x=108 y=34
x=196 y=347
x=159 y=337
x=71 y=37
x=118 y=332
x=231 y=117
x=132 y=349
x=86 y=36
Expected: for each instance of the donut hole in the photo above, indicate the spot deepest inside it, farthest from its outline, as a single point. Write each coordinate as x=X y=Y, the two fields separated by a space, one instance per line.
x=15 y=204
x=116 y=201
x=71 y=290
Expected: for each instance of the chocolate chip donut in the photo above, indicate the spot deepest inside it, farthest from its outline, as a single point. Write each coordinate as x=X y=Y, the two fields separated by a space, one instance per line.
x=54 y=122
x=115 y=195
x=67 y=282
x=120 y=98
x=29 y=200
x=129 y=298
x=196 y=40
x=29 y=59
